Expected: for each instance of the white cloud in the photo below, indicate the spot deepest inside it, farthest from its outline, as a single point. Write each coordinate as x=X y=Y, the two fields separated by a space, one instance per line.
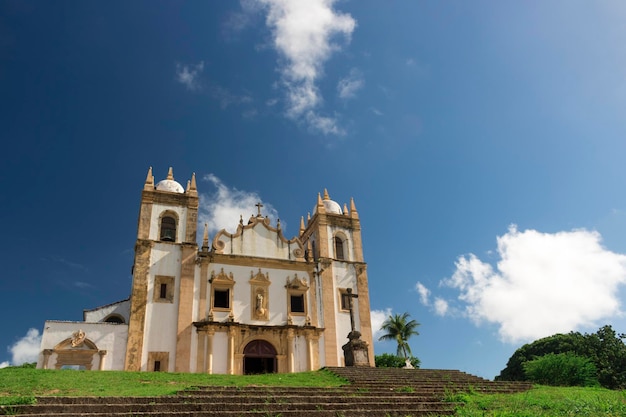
x=222 y=209
x=441 y=306
x=303 y=33
x=543 y=284
x=326 y=125
x=189 y=75
x=347 y=87
x=226 y=98
x=26 y=349
x=4 y=364
x=376 y=111
x=423 y=292
x=378 y=317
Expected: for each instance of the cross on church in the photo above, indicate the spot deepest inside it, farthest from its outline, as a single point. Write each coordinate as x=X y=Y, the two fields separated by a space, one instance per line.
x=350 y=297
x=258 y=206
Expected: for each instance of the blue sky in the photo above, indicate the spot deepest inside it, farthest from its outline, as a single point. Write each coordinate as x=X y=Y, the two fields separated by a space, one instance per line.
x=483 y=143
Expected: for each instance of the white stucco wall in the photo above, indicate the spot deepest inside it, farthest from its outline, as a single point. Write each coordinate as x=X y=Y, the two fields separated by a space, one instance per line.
x=155 y=227
x=259 y=241
x=220 y=353
x=162 y=317
x=277 y=302
x=121 y=308
x=106 y=336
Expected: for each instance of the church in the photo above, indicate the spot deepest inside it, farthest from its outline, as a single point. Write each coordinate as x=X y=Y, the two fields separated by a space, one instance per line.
x=252 y=301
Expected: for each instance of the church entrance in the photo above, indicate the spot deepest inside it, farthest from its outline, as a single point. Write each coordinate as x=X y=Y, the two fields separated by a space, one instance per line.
x=259 y=357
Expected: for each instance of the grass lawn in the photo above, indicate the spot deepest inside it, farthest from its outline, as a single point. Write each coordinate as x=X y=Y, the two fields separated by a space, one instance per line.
x=543 y=401
x=21 y=385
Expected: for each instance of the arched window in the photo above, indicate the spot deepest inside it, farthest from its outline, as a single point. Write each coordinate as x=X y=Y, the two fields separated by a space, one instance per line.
x=168 y=229
x=338 y=248
x=114 y=318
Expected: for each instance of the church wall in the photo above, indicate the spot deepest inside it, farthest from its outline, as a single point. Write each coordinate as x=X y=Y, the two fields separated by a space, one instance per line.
x=155 y=218
x=220 y=353
x=242 y=296
x=300 y=354
x=162 y=320
x=121 y=308
x=260 y=242
x=107 y=337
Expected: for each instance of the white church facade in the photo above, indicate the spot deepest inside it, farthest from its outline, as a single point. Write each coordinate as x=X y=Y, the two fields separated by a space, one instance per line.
x=246 y=302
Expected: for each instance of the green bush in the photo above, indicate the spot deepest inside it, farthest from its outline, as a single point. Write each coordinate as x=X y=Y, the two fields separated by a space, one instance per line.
x=562 y=369
x=387 y=360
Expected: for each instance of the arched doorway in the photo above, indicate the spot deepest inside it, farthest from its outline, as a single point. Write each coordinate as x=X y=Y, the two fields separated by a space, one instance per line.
x=259 y=357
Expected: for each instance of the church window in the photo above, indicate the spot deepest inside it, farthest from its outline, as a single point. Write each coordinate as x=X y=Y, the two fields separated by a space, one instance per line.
x=221 y=298
x=168 y=229
x=338 y=248
x=114 y=318
x=296 y=303
x=158 y=361
x=163 y=289
x=345 y=300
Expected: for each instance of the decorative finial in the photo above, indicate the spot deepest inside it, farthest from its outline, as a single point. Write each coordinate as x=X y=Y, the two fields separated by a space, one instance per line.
x=345 y=209
x=308 y=217
x=320 y=205
x=188 y=186
x=326 y=196
x=353 y=212
x=278 y=224
x=258 y=206
x=241 y=219
x=170 y=174
x=205 y=238
x=149 y=185
x=193 y=190
x=301 y=224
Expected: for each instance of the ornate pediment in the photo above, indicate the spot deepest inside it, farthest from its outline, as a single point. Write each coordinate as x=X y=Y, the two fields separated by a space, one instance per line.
x=222 y=277
x=297 y=283
x=259 y=278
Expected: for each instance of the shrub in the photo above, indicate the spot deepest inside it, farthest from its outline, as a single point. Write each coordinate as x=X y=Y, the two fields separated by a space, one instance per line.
x=387 y=360
x=562 y=369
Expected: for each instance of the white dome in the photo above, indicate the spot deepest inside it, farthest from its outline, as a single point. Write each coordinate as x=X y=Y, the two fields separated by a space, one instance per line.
x=170 y=186
x=332 y=207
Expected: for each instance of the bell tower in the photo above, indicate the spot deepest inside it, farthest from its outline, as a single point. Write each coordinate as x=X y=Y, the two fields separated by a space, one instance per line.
x=160 y=326
x=333 y=241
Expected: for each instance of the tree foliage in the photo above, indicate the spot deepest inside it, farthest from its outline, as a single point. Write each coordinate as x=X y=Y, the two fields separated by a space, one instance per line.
x=605 y=349
x=562 y=369
x=399 y=329
x=387 y=360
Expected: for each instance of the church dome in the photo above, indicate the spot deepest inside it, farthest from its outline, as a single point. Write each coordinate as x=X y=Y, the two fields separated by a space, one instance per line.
x=332 y=207
x=171 y=186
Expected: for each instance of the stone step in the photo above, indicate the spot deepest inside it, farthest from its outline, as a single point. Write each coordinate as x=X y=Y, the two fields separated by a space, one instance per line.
x=377 y=412
x=146 y=409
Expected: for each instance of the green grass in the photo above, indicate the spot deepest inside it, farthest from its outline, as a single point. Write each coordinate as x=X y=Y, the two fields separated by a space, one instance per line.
x=22 y=385
x=543 y=401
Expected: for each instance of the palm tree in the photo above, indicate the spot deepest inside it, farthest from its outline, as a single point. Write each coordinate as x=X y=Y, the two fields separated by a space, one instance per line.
x=399 y=328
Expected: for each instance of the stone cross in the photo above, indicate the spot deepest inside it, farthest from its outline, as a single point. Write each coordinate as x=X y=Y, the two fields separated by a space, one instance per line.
x=350 y=297
x=258 y=206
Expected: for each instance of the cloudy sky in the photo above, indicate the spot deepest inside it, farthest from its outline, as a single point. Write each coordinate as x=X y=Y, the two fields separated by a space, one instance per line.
x=483 y=143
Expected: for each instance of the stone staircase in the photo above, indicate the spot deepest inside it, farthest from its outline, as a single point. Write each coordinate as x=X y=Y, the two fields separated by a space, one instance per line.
x=371 y=392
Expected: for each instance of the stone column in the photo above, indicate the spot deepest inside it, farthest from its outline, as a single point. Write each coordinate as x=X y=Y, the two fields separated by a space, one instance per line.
x=201 y=353
x=309 y=351
x=290 y=358
x=231 y=351
x=46 y=357
x=101 y=353
x=209 y=351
